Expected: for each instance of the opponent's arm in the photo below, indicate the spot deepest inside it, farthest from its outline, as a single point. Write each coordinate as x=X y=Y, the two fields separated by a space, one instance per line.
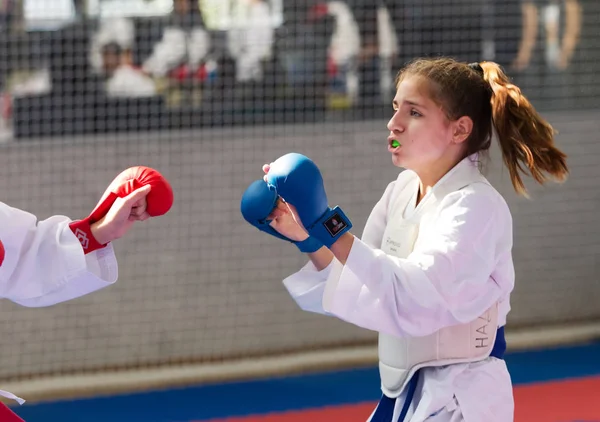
x=57 y=259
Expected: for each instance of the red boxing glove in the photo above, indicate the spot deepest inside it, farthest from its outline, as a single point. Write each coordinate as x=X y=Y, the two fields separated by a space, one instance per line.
x=158 y=201
x=1 y=253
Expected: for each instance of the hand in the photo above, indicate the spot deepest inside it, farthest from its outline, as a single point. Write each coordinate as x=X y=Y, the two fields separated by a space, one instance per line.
x=266 y=168
x=121 y=216
x=284 y=218
x=298 y=181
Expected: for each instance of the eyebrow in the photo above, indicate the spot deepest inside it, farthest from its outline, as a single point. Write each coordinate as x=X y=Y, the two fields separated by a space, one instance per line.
x=411 y=103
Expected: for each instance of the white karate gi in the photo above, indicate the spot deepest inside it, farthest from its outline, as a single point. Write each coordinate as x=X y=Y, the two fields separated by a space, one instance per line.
x=44 y=262
x=461 y=265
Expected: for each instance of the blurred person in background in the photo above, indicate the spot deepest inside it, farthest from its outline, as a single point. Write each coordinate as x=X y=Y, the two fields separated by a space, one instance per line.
x=423 y=28
x=123 y=79
x=111 y=56
x=250 y=39
x=550 y=35
x=556 y=50
x=184 y=45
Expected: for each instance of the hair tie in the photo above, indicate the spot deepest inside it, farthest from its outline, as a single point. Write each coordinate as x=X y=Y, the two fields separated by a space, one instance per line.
x=476 y=67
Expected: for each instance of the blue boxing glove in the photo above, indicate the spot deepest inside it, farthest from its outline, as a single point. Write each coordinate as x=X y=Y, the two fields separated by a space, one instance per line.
x=298 y=181
x=258 y=201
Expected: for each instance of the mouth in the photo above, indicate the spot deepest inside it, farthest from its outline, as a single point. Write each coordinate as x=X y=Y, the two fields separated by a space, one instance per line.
x=393 y=144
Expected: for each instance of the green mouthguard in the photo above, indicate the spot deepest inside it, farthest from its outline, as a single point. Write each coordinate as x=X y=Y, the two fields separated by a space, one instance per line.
x=395 y=144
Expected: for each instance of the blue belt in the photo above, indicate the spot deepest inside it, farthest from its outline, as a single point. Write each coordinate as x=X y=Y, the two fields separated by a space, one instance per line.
x=385 y=408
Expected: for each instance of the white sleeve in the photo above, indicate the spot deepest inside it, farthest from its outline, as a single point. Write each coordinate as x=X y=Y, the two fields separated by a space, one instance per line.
x=44 y=263
x=199 y=46
x=257 y=43
x=446 y=280
x=167 y=53
x=307 y=286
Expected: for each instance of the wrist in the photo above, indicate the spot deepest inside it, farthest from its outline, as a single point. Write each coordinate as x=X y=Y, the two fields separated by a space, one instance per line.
x=342 y=247
x=308 y=245
x=90 y=236
x=100 y=232
x=330 y=227
x=303 y=237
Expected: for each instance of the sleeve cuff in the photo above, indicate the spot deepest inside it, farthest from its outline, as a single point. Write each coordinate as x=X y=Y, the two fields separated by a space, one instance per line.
x=103 y=264
x=343 y=285
x=306 y=286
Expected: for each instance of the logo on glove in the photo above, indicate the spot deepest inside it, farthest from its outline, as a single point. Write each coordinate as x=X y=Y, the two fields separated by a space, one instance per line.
x=334 y=224
x=82 y=237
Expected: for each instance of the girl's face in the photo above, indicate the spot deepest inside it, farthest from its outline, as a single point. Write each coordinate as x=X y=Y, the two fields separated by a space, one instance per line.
x=420 y=126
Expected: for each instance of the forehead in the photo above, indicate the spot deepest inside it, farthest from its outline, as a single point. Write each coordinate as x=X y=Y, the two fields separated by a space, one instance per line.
x=413 y=88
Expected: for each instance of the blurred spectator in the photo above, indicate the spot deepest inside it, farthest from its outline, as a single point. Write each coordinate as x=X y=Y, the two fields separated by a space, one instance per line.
x=345 y=49
x=297 y=15
x=68 y=53
x=124 y=79
x=345 y=43
x=120 y=31
x=184 y=45
x=423 y=27
x=302 y=48
x=557 y=52
x=343 y=53
x=111 y=56
x=560 y=50
x=505 y=28
x=8 y=9
x=250 y=39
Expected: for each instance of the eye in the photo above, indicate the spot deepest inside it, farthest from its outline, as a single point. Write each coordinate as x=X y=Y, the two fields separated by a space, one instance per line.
x=415 y=113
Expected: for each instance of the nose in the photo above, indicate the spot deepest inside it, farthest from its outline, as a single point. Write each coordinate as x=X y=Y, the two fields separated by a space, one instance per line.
x=395 y=124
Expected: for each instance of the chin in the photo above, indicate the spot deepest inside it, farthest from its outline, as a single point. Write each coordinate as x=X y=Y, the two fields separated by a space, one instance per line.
x=398 y=161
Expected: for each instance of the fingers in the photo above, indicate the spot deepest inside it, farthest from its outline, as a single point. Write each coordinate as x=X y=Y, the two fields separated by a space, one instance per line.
x=276 y=213
x=138 y=211
x=136 y=203
x=280 y=210
x=291 y=210
x=139 y=217
x=274 y=223
x=144 y=217
x=266 y=168
x=137 y=195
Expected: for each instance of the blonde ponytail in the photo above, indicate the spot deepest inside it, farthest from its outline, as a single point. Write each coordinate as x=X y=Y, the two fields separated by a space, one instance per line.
x=525 y=138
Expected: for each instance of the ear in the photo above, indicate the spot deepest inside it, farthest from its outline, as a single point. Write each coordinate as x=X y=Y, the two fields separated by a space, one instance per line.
x=461 y=129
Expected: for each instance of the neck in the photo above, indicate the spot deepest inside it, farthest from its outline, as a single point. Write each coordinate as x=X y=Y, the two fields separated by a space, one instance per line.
x=430 y=177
